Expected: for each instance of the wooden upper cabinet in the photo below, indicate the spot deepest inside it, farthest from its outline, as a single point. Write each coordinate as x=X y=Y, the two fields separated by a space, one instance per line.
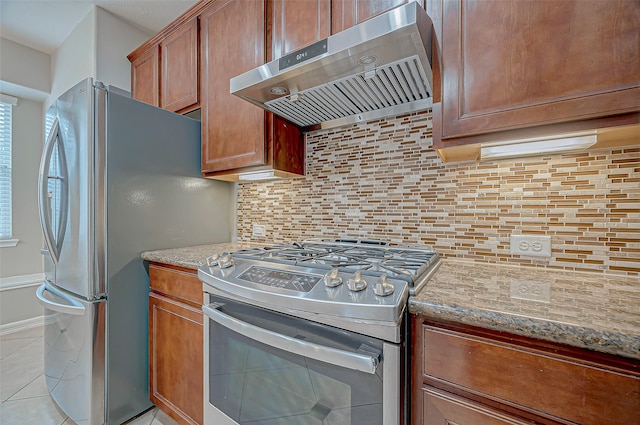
x=232 y=43
x=546 y=66
x=145 y=85
x=347 y=13
x=164 y=70
x=239 y=137
x=299 y=23
x=179 y=53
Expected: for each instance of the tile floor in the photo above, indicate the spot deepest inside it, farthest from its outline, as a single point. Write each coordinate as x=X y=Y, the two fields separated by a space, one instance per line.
x=24 y=399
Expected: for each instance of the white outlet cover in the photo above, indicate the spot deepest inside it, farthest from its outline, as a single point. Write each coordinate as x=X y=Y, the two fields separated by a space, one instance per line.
x=531 y=245
x=259 y=230
x=532 y=291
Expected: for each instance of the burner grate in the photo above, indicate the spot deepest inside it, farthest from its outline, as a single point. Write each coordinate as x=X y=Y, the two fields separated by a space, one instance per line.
x=371 y=257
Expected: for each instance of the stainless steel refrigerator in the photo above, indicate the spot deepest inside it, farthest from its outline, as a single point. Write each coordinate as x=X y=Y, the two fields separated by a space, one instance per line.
x=117 y=177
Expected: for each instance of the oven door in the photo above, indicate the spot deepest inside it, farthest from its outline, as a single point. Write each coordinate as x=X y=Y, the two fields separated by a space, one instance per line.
x=263 y=367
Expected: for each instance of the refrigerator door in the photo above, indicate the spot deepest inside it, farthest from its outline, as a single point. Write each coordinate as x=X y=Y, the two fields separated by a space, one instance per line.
x=74 y=340
x=68 y=221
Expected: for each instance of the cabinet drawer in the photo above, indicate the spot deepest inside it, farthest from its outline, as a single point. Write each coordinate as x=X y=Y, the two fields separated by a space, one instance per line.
x=443 y=408
x=177 y=283
x=582 y=393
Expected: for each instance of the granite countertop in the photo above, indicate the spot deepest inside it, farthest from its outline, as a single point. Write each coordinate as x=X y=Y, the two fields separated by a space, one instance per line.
x=595 y=311
x=192 y=257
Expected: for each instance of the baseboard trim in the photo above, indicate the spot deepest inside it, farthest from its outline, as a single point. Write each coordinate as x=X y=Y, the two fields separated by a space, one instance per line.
x=17 y=282
x=22 y=325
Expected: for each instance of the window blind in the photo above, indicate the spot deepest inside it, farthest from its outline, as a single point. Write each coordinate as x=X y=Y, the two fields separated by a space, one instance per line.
x=5 y=170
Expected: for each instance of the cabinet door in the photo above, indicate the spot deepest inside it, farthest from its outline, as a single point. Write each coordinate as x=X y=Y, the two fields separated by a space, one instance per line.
x=176 y=359
x=347 y=13
x=233 y=130
x=299 y=23
x=144 y=77
x=518 y=64
x=179 y=78
x=441 y=408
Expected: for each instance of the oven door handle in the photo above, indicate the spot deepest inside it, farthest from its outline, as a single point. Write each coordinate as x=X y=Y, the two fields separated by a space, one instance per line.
x=367 y=363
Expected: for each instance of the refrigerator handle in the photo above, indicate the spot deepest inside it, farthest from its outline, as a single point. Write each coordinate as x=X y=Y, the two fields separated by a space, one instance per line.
x=64 y=195
x=53 y=243
x=71 y=307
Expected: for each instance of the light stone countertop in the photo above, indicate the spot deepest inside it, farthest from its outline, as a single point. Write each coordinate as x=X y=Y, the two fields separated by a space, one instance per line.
x=192 y=257
x=600 y=312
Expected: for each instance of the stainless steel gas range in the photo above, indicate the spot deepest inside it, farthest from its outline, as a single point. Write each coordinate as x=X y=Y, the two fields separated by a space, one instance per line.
x=310 y=333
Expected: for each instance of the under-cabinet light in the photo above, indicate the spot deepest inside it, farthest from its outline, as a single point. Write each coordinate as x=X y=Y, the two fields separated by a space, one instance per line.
x=537 y=146
x=259 y=175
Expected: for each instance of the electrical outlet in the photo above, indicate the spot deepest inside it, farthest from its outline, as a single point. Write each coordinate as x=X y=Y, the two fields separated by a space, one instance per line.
x=533 y=291
x=259 y=230
x=531 y=245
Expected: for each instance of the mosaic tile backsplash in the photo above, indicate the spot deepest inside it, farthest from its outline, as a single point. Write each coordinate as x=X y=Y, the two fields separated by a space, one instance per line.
x=381 y=180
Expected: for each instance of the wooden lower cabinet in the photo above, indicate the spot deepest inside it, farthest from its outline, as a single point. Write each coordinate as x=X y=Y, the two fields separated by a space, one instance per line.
x=176 y=343
x=465 y=375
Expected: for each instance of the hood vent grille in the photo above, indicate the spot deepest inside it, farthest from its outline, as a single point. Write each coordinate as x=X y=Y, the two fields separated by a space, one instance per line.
x=378 y=68
x=394 y=88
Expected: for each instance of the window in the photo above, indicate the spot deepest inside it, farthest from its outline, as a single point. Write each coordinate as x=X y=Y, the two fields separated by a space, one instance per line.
x=6 y=105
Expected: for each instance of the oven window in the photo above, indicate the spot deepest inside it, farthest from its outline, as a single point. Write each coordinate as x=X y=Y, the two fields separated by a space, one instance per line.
x=255 y=383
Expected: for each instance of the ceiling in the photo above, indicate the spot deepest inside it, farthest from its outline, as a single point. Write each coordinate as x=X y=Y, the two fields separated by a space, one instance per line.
x=44 y=24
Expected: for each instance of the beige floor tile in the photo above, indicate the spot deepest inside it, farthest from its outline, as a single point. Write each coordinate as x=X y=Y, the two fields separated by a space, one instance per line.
x=10 y=346
x=32 y=352
x=163 y=419
x=15 y=376
x=31 y=411
x=37 y=388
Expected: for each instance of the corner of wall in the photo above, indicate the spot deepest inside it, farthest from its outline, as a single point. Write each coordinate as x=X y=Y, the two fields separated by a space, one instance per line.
x=115 y=39
x=75 y=58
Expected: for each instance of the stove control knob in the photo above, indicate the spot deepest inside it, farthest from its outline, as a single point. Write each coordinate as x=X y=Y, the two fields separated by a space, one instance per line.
x=383 y=288
x=225 y=261
x=212 y=260
x=332 y=279
x=357 y=282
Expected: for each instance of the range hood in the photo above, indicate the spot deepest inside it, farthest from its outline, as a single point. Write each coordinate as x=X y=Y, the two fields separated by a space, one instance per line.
x=375 y=69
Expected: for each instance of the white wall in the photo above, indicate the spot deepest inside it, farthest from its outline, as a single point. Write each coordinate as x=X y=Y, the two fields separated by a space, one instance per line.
x=97 y=48
x=24 y=72
x=17 y=302
x=25 y=257
x=115 y=39
x=75 y=58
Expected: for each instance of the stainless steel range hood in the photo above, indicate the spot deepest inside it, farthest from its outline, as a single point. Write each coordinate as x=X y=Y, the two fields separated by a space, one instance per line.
x=378 y=68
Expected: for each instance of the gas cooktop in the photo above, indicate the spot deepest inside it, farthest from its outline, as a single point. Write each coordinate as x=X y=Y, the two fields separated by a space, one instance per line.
x=374 y=258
